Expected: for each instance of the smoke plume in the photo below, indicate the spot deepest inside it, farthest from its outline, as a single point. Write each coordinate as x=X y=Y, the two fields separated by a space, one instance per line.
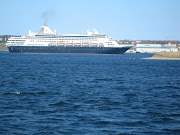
x=45 y=17
x=46 y=14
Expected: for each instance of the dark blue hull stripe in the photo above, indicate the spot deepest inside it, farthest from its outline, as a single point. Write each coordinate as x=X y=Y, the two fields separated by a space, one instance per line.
x=58 y=49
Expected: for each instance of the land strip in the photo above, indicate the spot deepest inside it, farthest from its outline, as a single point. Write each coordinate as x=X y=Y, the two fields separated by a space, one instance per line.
x=165 y=56
x=3 y=46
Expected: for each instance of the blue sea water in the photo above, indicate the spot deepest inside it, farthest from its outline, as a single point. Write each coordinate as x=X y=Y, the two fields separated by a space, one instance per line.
x=49 y=94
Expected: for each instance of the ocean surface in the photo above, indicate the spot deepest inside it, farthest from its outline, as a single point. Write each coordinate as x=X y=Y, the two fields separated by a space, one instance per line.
x=49 y=94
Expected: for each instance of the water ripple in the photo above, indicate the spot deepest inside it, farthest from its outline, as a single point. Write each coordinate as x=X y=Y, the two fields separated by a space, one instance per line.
x=88 y=94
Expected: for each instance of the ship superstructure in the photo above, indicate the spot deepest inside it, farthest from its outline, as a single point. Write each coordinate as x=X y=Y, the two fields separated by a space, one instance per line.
x=48 y=41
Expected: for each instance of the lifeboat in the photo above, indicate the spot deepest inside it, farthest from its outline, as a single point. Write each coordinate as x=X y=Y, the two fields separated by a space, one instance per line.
x=69 y=44
x=94 y=44
x=85 y=44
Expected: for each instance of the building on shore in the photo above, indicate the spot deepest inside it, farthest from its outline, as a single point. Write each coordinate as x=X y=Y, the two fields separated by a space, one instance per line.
x=5 y=37
x=153 y=46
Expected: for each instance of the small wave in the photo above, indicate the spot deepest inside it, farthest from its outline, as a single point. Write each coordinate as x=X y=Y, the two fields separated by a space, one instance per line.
x=76 y=106
x=169 y=87
x=44 y=132
x=175 y=131
x=60 y=103
x=42 y=93
x=13 y=93
x=174 y=87
x=175 y=96
x=104 y=79
x=134 y=123
x=12 y=82
x=97 y=106
x=28 y=93
x=130 y=94
x=174 y=115
x=45 y=111
x=102 y=122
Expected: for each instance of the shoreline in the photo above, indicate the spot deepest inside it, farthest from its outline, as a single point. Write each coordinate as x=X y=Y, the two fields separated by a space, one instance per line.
x=165 y=56
x=160 y=58
x=4 y=50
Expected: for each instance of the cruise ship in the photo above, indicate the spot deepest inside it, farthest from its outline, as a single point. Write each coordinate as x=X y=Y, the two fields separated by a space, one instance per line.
x=48 y=41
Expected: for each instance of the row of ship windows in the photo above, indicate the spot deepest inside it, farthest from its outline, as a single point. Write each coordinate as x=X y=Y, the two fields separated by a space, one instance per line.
x=42 y=41
x=56 y=39
x=37 y=40
x=78 y=48
x=47 y=47
x=60 y=39
x=19 y=41
x=16 y=40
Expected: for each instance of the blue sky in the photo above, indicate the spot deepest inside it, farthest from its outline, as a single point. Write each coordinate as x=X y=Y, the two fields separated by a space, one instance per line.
x=120 y=19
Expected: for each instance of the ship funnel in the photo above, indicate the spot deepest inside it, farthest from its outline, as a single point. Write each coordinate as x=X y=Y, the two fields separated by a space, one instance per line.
x=46 y=30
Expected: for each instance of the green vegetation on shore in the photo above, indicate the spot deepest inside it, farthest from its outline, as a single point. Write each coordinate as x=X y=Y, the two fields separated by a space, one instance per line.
x=3 y=46
x=167 y=55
